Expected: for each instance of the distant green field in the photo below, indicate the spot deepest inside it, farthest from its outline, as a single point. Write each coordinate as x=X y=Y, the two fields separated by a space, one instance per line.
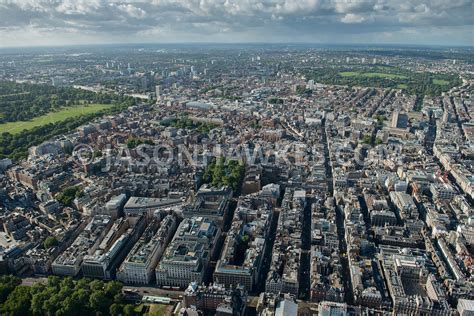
x=371 y=75
x=52 y=117
x=349 y=74
x=440 y=82
x=402 y=86
x=13 y=94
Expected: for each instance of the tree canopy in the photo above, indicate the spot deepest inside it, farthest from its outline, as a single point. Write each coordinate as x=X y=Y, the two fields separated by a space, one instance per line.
x=224 y=171
x=16 y=146
x=415 y=83
x=50 y=242
x=62 y=297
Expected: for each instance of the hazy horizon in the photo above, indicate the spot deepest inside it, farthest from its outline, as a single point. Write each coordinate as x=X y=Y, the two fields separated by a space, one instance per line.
x=248 y=45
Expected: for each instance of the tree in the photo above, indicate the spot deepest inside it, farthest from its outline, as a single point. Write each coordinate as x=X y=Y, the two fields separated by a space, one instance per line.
x=37 y=302
x=18 y=302
x=96 y=285
x=71 y=306
x=116 y=309
x=367 y=139
x=38 y=288
x=7 y=285
x=51 y=305
x=62 y=297
x=68 y=195
x=81 y=298
x=97 y=153
x=83 y=283
x=113 y=288
x=67 y=283
x=50 y=242
x=53 y=281
x=380 y=120
x=118 y=298
x=98 y=301
x=224 y=172
x=129 y=310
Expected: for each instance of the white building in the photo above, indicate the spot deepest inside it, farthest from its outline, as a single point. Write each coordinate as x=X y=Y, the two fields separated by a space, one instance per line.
x=466 y=307
x=138 y=267
x=69 y=262
x=187 y=257
x=442 y=191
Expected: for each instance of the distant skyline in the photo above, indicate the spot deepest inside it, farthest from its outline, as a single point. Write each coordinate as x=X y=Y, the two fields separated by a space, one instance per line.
x=77 y=22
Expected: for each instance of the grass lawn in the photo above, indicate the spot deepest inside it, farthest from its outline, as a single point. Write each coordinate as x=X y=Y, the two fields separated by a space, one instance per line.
x=52 y=117
x=160 y=309
x=349 y=74
x=402 y=86
x=371 y=75
x=440 y=82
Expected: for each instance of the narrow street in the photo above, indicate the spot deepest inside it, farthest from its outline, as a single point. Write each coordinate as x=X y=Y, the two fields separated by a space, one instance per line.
x=340 y=226
x=305 y=263
x=267 y=256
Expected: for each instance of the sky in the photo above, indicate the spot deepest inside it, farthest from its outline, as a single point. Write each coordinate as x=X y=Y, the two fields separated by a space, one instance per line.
x=75 y=22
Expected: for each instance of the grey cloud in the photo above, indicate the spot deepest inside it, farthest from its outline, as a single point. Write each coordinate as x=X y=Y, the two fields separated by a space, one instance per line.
x=291 y=17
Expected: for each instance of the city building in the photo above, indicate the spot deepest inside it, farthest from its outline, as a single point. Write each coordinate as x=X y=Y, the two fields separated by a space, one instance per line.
x=187 y=257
